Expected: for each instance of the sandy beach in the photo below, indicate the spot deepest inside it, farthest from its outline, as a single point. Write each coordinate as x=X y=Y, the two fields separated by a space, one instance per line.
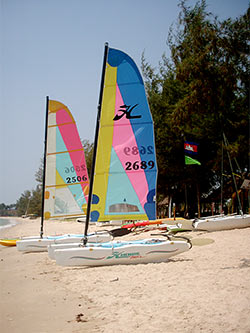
x=206 y=289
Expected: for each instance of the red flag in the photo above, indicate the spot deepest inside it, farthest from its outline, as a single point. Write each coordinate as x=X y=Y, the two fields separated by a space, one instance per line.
x=191 y=147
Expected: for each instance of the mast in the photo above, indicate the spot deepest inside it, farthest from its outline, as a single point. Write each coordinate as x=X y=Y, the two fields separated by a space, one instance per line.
x=26 y=212
x=221 y=183
x=231 y=167
x=95 y=143
x=44 y=163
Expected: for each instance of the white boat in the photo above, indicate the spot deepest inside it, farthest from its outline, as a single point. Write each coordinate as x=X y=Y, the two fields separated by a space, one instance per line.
x=124 y=170
x=121 y=252
x=39 y=244
x=65 y=179
x=169 y=228
x=53 y=247
x=226 y=222
x=110 y=223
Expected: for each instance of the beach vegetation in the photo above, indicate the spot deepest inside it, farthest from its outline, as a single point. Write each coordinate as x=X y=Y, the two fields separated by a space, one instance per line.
x=198 y=93
x=7 y=210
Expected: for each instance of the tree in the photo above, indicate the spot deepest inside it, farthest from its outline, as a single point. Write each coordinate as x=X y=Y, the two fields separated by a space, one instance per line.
x=35 y=206
x=7 y=210
x=3 y=209
x=197 y=94
x=22 y=204
x=39 y=173
x=88 y=151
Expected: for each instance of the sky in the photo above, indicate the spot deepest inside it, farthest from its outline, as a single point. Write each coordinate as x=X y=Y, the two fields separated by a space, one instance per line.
x=55 y=48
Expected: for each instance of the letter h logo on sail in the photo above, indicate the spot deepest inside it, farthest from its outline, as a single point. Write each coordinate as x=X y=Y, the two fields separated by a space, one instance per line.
x=126 y=111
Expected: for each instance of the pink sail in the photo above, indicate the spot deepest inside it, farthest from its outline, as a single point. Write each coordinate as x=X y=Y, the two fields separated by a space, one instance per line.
x=66 y=180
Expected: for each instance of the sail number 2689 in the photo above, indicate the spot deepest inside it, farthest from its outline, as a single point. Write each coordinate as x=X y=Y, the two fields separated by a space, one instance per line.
x=135 y=150
x=140 y=165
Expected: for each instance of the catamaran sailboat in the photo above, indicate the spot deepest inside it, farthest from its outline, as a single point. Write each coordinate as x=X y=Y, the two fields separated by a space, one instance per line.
x=225 y=222
x=65 y=179
x=124 y=170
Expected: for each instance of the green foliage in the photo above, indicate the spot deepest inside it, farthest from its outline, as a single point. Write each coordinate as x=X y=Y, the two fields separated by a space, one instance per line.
x=35 y=206
x=7 y=210
x=88 y=151
x=22 y=204
x=30 y=202
x=39 y=173
x=201 y=91
x=197 y=94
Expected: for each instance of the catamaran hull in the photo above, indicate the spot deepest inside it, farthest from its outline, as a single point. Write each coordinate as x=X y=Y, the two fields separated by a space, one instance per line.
x=41 y=244
x=53 y=247
x=121 y=253
x=110 y=223
x=223 y=223
x=8 y=242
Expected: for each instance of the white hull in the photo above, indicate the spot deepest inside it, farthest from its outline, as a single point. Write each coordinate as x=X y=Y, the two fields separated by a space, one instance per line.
x=110 y=223
x=37 y=244
x=121 y=253
x=53 y=247
x=81 y=219
x=223 y=223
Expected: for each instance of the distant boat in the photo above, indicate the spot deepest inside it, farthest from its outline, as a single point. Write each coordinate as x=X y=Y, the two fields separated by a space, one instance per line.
x=225 y=222
x=123 y=178
x=65 y=181
x=26 y=212
x=8 y=242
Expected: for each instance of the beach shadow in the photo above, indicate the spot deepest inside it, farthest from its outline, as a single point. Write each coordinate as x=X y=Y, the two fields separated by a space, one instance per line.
x=245 y=264
x=201 y=241
x=79 y=268
x=180 y=260
x=104 y=267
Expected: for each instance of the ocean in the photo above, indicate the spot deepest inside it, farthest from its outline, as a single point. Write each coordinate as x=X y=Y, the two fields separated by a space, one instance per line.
x=7 y=223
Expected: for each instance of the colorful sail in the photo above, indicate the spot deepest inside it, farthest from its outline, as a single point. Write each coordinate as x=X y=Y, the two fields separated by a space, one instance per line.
x=66 y=179
x=125 y=174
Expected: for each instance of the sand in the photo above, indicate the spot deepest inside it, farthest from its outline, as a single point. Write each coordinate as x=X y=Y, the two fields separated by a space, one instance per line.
x=206 y=289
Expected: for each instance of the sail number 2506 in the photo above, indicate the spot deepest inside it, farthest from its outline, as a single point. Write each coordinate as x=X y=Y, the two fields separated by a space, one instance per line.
x=74 y=179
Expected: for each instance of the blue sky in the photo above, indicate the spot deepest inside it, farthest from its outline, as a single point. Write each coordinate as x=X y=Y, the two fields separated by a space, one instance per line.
x=55 y=48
